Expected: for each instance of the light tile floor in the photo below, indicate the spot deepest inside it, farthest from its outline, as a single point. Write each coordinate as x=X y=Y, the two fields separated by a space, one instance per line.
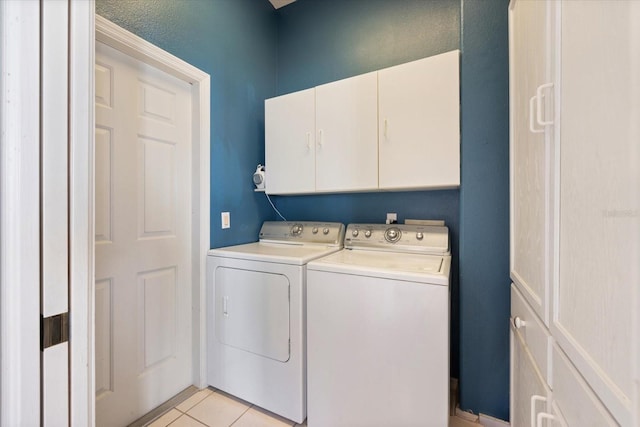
x=214 y=408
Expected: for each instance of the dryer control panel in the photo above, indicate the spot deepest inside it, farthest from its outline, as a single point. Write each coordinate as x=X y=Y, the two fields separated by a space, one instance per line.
x=427 y=239
x=303 y=232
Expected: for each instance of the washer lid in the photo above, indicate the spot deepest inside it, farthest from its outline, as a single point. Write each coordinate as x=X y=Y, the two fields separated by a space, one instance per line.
x=282 y=253
x=431 y=269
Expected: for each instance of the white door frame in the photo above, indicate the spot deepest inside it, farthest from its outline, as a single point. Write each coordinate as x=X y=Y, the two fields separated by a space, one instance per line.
x=118 y=38
x=20 y=213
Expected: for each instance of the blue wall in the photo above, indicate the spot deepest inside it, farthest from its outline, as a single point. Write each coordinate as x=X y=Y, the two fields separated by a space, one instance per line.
x=484 y=209
x=234 y=41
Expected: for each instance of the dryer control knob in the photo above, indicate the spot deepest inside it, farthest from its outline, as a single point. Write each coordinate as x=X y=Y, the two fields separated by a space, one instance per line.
x=314 y=230
x=419 y=235
x=392 y=235
x=325 y=231
x=355 y=233
x=367 y=233
x=296 y=230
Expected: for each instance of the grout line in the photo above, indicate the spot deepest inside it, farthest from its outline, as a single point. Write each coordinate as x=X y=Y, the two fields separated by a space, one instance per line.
x=241 y=415
x=165 y=407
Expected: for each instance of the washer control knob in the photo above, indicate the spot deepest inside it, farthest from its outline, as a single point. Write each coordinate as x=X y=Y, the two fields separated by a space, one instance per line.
x=392 y=235
x=419 y=235
x=314 y=230
x=355 y=233
x=296 y=230
x=367 y=234
x=325 y=231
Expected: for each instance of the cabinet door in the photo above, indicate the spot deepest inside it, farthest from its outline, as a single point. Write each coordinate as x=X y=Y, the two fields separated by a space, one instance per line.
x=419 y=123
x=347 y=134
x=289 y=143
x=599 y=189
x=526 y=382
x=575 y=400
x=530 y=153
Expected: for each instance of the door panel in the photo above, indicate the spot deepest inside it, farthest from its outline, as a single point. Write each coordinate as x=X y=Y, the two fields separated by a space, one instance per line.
x=528 y=22
x=526 y=382
x=143 y=237
x=419 y=126
x=252 y=311
x=598 y=214
x=347 y=134
x=290 y=155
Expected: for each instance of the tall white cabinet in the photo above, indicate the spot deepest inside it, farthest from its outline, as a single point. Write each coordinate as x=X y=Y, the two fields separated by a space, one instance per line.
x=575 y=214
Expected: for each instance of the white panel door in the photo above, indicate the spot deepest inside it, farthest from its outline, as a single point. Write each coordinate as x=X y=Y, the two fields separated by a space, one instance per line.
x=529 y=150
x=347 y=134
x=419 y=123
x=290 y=161
x=143 y=237
x=599 y=191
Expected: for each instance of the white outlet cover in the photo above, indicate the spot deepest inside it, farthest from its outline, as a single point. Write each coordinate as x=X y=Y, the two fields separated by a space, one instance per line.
x=225 y=219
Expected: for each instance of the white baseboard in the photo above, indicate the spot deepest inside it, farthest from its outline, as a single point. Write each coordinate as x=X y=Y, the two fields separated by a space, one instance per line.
x=467 y=416
x=488 y=421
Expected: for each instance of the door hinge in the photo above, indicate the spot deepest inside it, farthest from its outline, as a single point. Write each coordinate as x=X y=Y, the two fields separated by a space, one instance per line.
x=54 y=330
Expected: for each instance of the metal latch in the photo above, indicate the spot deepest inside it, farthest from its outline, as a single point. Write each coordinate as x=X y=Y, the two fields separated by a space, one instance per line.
x=54 y=330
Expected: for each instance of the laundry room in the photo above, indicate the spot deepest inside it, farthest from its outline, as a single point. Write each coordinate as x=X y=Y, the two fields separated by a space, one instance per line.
x=334 y=213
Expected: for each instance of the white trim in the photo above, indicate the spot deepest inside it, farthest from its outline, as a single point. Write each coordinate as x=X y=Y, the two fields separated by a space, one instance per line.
x=126 y=42
x=81 y=234
x=20 y=213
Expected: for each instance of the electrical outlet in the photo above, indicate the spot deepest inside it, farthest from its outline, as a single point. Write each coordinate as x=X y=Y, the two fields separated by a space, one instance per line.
x=392 y=218
x=225 y=219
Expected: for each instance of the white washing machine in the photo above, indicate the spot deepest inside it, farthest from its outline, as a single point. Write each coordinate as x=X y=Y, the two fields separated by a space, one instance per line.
x=378 y=329
x=256 y=294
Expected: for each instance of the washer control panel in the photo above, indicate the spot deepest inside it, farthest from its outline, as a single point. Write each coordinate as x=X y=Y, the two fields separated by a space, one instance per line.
x=428 y=239
x=303 y=232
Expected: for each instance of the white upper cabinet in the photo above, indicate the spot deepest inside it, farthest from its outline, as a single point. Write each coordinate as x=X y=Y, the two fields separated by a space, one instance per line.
x=347 y=134
x=290 y=148
x=397 y=128
x=530 y=67
x=419 y=123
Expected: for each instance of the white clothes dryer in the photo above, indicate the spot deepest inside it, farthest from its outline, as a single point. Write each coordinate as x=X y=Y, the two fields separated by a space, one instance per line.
x=378 y=329
x=256 y=335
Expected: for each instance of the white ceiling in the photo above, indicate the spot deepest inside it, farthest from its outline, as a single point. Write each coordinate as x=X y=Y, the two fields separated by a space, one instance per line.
x=279 y=3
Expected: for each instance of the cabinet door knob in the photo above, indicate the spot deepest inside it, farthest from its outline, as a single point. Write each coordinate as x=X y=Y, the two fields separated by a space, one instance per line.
x=518 y=322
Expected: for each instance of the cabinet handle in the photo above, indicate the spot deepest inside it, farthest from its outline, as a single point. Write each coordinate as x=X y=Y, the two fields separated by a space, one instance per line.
x=386 y=128
x=320 y=138
x=225 y=304
x=308 y=141
x=543 y=415
x=518 y=322
x=534 y=399
x=531 y=118
x=539 y=98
